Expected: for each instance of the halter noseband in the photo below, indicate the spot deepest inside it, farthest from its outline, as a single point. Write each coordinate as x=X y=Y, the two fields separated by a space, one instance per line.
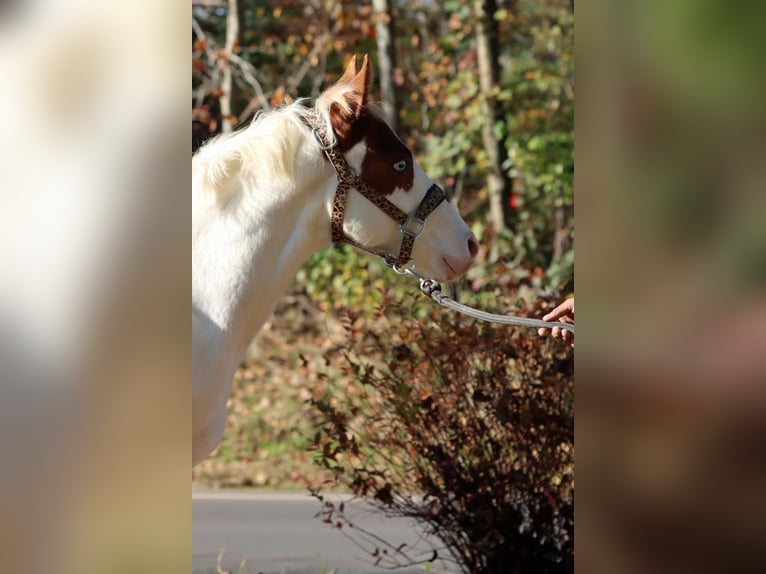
x=411 y=224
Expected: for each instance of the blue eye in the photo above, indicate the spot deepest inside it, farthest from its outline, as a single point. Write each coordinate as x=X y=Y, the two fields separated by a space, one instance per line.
x=400 y=166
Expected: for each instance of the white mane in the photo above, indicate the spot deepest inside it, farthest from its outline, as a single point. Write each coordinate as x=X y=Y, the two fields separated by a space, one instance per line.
x=267 y=149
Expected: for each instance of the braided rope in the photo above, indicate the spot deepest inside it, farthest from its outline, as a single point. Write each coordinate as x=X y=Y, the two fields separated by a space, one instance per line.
x=433 y=290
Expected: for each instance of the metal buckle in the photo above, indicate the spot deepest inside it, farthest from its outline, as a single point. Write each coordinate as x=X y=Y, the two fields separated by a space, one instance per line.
x=420 y=225
x=320 y=143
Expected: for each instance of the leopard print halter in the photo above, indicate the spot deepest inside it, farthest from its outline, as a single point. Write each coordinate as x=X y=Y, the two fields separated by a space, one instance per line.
x=411 y=224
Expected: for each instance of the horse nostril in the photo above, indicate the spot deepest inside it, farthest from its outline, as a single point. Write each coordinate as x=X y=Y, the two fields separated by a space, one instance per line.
x=473 y=246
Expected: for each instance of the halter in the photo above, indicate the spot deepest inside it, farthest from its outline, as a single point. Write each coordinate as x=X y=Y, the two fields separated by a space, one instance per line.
x=411 y=224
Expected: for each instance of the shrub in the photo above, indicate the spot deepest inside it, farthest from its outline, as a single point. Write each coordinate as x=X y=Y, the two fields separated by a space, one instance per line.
x=467 y=428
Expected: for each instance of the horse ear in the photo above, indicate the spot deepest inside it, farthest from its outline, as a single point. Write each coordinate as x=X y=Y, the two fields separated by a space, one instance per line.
x=350 y=72
x=361 y=82
x=344 y=118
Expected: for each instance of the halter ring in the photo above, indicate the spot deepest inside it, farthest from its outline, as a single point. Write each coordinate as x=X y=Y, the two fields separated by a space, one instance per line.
x=402 y=270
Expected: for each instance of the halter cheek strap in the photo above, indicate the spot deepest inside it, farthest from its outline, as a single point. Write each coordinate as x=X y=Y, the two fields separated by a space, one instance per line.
x=411 y=224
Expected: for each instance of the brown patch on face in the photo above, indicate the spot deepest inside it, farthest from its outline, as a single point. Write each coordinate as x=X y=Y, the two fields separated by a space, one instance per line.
x=386 y=154
x=384 y=149
x=347 y=125
x=387 y=164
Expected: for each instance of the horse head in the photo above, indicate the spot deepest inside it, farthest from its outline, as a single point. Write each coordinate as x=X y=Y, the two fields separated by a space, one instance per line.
x=398 y=204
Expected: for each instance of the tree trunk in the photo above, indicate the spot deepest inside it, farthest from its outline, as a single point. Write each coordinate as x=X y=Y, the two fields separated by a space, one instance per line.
x=384 y=35
x=498 y=185
x=228 y=119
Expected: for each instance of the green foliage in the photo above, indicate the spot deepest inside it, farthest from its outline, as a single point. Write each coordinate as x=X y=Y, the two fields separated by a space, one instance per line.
x=539 y=103
x=342 y=277
x=536 y=96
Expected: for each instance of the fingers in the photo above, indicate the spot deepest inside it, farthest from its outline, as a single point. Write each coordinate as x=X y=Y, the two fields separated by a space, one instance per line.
x=559 y=333
x=564 y=309
x=555 y=332
x=564 y=313
x=563 y=335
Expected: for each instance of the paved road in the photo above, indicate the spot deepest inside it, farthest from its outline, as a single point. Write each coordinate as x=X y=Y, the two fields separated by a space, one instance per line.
x=277 y=533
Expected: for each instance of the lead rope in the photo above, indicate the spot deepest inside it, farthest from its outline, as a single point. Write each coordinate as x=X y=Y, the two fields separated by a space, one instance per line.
x=433 y=290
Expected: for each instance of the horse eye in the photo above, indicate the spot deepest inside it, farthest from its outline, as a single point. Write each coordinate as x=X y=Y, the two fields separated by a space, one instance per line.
x=400 y=165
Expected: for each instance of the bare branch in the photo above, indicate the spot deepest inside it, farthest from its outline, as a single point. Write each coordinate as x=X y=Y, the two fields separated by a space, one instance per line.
x=209 y=81
x=248 y=71
x=232 y=34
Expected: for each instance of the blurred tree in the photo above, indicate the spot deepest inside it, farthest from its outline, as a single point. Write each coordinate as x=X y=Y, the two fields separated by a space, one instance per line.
x=384 y=35
x=229 y=120
x=488 y=53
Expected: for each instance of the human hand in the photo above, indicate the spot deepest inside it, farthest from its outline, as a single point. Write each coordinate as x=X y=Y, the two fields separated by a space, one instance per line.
x=564 y=313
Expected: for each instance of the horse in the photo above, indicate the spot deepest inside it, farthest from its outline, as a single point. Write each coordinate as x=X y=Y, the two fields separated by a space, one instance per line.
x=291 y=183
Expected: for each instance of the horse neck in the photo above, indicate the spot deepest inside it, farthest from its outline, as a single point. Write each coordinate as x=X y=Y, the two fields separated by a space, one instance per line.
x=243 y=260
